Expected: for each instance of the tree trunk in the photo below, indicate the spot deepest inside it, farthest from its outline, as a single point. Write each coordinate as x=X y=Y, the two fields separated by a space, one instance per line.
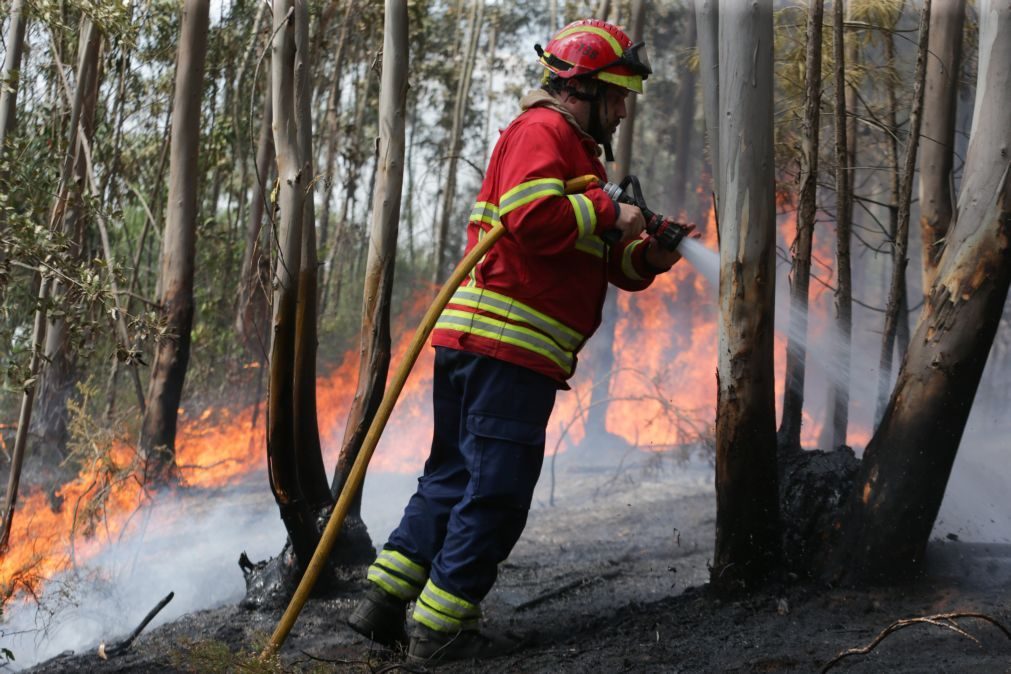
x=908 y=461
x=294 y=181
x=442 y=240
x=685 y=129
x=707 y=25
x=374 y=361
x=937 y=183
x=747 y=509
x=252 y=317
x=312 y=482
x=897 y=287
x=11 y=73
x=800 y=272
x=837 y=409
x=59 y=375
x=158 y=430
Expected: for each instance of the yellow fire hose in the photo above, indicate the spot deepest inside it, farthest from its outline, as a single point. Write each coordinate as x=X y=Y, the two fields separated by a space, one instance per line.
x=357 y=475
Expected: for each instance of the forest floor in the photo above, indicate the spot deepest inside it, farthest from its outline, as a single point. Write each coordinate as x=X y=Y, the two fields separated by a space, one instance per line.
x=611 y=578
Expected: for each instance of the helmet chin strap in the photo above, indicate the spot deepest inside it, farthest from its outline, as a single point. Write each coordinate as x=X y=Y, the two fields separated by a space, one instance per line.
x=596 y=130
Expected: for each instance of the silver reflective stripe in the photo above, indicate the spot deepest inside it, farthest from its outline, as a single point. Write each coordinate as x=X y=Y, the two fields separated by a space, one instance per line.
x=435 y=620
x=484 y=212
x=593 y=245
x=398 y=587
x=514 y=310
x=586 y=217
x=484 y=326
x=394 y=561
x=448 y=604
x=529 y=191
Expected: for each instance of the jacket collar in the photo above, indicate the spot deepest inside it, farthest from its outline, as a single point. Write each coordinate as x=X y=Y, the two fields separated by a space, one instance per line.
x=538 y=98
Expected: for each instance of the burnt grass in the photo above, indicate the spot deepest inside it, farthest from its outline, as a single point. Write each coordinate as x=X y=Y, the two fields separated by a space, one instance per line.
x=612 y=578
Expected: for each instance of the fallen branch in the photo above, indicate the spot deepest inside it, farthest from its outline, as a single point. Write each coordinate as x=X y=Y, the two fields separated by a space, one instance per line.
x=581 y=582
x=120 y=647
x=945 y=620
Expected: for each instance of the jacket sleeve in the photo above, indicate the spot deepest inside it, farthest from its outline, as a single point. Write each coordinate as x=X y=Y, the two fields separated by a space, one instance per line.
x=627 y=267
x=533 y=206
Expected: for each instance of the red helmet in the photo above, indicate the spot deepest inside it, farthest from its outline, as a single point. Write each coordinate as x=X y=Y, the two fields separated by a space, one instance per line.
x=597 y=49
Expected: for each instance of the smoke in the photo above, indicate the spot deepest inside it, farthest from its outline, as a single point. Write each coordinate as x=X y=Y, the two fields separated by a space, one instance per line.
x=187 y=544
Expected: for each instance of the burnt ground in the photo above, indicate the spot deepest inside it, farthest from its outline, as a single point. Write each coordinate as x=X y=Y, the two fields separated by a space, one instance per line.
x=612 y=578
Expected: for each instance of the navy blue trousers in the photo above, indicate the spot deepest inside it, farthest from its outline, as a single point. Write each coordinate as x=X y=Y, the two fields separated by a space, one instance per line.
x=487 y=449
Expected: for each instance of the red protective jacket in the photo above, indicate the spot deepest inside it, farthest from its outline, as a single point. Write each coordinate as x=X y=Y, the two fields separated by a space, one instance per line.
x=537 y=295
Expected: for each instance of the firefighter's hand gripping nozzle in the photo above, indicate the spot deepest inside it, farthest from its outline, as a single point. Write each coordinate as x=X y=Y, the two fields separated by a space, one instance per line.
x=667 y=233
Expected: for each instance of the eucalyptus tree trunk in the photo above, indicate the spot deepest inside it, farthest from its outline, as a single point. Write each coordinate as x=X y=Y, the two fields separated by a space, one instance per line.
x=907 y=463
x=940 y=92
x=897 y=288
x=312 y=482
x=685 y=126
x=253 y=314
x=800 y=271
x=837 y=409
x=59 y=375
x=442 y=239
x=10 y=75
x=158 y=429
x=707 y=13
x=601 y=347
x=747 y=508
x=294 y=172
x=374 y=361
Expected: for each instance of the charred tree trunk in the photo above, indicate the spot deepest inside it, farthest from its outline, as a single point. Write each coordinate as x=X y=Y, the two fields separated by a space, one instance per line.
x=837 y=408
x=908 y=461
x=937 y=182
x=747 y=506
x=800 y=272
x=897 y=288
x=59 y=375
x=158 y=430
x=374 y=361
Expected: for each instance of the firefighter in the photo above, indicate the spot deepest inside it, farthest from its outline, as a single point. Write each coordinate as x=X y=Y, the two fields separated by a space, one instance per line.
x=508 y=340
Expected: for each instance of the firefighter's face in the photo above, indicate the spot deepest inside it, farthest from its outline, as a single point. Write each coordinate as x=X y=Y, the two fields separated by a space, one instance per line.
x=613 y=108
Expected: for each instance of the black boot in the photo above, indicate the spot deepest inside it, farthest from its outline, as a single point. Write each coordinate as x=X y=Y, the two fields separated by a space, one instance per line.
x=380 y=616
x=428 y=645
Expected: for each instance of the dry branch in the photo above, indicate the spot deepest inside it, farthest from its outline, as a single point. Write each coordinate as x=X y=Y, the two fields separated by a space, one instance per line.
x=945 y=620
x=579 y=582
x=120 y=647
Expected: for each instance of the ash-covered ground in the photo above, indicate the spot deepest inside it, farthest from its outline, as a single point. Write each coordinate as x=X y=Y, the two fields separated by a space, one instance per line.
x=611 y=578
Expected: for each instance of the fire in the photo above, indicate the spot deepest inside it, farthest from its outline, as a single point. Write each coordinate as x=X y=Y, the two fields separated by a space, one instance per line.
x=662 y=396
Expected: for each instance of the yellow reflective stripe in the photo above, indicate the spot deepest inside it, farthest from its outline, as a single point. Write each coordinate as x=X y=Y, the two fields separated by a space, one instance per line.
x=626 y=261
x=526 y=192
x=593 y=245
x=398 y=563
x=398 y=587
x=517 y=335
x=448 y=604
x=514 y=310
x=485 y=212
x=618 y=51
x=433 y=619
x=586 y=216
x=630 y=82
